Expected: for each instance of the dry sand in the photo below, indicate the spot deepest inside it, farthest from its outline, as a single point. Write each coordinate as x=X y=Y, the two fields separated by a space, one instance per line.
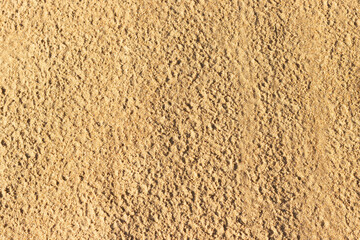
x=179 y=119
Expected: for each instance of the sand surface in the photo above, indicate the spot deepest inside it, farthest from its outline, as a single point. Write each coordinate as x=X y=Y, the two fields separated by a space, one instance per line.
x=191 y=119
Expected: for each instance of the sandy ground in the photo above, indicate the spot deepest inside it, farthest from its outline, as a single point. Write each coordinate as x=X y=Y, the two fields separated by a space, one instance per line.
x=180 y=119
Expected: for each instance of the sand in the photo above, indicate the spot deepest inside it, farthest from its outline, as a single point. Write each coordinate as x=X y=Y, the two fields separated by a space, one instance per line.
x=179 y=119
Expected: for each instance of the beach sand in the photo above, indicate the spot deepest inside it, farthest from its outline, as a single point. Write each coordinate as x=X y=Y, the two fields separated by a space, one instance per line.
x=179 y=119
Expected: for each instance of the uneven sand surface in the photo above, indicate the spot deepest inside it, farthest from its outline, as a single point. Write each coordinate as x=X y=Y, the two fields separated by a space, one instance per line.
x=179 y=119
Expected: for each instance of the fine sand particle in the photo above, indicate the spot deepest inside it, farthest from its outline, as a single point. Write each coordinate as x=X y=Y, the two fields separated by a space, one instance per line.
x=179 y=119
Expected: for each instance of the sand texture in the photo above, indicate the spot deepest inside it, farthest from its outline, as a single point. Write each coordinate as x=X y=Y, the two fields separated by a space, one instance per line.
x=180 y=119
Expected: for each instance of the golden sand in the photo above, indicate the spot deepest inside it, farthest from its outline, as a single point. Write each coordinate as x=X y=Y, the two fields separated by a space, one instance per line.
x=179 y=119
